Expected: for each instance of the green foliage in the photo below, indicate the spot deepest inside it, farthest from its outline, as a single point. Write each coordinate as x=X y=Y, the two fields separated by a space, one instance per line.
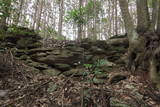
x=150 y=3
x=76 y=16
x=88 y=66
x=84 y=14
x=98 y=64
x=105 y=20
x=93 y=8
x=101 y=62
x=52 y=33
x=96 y=67
x=5 y=8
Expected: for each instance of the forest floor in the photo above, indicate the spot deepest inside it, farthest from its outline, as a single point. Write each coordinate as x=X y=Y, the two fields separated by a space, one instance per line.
x=29 y=89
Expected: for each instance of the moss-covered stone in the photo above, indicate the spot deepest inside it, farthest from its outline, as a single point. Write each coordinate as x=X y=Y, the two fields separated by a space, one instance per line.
x=99 y=81
x=24 y=57
x=102 y=76
x=37 y=65
x=52 y=72
x=32 y=69
x=20 y=52
x=63 y=67
x=75 y=72
x=38 y=50
x=97 y=50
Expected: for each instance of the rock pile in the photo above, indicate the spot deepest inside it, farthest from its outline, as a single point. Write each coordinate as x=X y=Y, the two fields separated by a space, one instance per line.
x=67 y=60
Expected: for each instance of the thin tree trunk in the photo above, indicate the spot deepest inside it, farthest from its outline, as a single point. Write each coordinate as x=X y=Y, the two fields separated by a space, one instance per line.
x=19 y=12
x=39 y=15
x=35 y=14
x=116 y=16
x=61 y=6
x=154 y=14
x=110 y=19
x=80 y=25
x=158 y=23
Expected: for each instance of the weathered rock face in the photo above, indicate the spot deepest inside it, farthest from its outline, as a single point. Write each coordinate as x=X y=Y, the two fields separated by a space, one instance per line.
x=72 y=57
x=59 y=56
x=21 y=38
x=66 y=60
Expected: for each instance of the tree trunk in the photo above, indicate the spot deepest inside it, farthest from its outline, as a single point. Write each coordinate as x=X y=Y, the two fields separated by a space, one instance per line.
x=158 y=23
x=35 y=14
x=19 y=12
x=136 y=42
x=116 y=16
x=129 y=26
x=39 y=14
x=61 y=6
x=142 y=16
x=154 y=14
x=110 y=19
x=80 y=25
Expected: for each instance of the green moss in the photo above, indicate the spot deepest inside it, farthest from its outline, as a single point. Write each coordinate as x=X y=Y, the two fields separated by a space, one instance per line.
x=20 y=30
x=118 y=36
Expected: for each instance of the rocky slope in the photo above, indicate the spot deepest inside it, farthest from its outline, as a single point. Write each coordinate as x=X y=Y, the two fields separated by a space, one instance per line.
x=67 y=59
x=68 y=71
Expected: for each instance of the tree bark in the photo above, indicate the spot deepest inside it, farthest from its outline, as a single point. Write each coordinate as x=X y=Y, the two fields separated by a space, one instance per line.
x=136 y=43
x=142 y=16
x=39 y=14
x=158 y=22
x=80 y=25
x=61 y=12
x=19 y=12
x=116 y=17
x=35 y=14
x=129 y=26
x=154 y=14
